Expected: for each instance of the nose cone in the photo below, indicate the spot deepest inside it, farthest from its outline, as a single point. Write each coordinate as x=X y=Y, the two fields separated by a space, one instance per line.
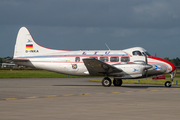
x=169 y=66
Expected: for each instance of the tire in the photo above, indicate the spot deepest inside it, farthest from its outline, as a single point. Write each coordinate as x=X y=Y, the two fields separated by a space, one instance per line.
x=117 y=82
x=167 y=84
x=106 y=82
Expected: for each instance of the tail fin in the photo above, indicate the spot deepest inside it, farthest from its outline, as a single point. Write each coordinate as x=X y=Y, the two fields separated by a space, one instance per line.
x=26 y=46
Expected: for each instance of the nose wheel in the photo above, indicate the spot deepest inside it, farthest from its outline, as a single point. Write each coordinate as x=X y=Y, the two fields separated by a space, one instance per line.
x=168 y=84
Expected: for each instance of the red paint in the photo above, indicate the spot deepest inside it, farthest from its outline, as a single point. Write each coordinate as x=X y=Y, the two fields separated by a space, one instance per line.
x=159 y=77
x=163 y=60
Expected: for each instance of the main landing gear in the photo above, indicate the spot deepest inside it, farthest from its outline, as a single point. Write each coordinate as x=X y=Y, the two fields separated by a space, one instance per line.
x=106 y=82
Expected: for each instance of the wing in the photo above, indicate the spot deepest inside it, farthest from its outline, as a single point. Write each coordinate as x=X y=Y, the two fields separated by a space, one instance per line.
x=97 y=67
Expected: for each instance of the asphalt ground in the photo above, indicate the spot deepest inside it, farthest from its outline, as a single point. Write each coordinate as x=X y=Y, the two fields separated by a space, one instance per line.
x=77 y=98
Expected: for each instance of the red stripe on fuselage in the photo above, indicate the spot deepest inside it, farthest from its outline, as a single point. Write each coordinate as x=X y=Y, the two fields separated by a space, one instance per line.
x=163 y=60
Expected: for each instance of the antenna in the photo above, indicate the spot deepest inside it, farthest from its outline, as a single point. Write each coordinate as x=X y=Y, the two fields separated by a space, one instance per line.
x=107 y=47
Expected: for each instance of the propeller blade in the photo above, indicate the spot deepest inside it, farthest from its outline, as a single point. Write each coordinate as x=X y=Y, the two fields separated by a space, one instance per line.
x=147 y=66
x=146 y=74
x=146 y=62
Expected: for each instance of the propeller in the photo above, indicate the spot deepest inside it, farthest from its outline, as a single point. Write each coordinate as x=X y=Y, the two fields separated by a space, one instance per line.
x=147 y=66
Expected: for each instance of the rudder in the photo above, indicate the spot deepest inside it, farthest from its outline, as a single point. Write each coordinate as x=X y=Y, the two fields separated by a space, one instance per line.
x=26 y=46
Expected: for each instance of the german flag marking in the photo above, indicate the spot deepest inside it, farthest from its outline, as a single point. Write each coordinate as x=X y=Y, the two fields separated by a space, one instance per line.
x=29 y=46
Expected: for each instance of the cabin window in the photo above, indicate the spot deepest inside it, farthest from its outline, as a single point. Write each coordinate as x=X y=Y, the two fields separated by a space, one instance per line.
x=104 y=59
x=125 y=59
x=77 y=59
x=137 y=53
x=114 y=59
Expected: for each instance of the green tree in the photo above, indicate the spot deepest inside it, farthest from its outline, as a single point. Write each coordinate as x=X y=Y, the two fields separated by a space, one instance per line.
x=1 y=60
x=175 y=61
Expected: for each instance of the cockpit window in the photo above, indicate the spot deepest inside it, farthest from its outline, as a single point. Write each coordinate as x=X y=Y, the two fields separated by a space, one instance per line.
x=137 y=53
x=146 y=53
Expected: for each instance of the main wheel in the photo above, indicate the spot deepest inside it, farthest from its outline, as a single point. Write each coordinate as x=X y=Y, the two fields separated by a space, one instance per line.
x=117 y=82
x=167 y=84
x=106 y=82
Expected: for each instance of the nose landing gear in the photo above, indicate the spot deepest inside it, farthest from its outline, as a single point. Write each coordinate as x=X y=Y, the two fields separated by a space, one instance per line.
x=168 y=83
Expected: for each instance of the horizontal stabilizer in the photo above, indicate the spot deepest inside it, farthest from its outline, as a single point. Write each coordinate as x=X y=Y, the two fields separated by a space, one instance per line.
x=20 y=60
x=15 y=60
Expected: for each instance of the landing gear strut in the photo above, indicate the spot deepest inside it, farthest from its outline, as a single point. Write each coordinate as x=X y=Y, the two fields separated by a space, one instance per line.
x=117 y=82
x=168 y=83
x=106 y=82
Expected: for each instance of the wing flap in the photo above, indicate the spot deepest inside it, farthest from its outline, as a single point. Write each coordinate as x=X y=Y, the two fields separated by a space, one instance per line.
x=97 y=67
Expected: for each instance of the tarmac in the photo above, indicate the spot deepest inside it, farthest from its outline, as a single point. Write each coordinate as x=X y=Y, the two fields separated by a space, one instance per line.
x=80 y=99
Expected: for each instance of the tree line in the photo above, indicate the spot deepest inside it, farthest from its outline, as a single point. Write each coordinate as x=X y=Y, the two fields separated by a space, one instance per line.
x=3 y=60
x=175 y=61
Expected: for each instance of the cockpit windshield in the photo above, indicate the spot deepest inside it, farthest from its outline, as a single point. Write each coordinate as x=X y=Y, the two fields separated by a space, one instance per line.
x=146 y=53
x=138 y=53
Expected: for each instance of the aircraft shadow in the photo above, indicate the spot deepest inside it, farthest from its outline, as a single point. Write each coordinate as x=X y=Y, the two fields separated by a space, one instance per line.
x=77 y=85
x=126 y=86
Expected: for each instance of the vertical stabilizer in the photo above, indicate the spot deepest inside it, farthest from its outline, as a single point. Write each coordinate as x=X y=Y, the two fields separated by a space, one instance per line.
x=26 y=46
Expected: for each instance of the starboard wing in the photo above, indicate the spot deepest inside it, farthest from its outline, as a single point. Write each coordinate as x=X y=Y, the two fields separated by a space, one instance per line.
x=97 y=67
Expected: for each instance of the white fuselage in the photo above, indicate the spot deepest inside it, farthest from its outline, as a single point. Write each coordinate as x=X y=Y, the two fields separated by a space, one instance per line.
x=71 y=62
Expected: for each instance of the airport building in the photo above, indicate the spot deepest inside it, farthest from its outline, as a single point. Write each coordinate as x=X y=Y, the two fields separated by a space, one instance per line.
x=10 y=65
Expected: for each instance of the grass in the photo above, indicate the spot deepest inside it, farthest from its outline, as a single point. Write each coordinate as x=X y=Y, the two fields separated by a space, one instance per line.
x=33 y=74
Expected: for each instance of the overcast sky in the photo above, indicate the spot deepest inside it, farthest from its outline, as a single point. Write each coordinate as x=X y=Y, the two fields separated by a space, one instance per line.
x=89 y=24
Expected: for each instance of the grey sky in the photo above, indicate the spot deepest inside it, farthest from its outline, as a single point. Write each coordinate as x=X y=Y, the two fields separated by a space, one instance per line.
x=89 y=24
